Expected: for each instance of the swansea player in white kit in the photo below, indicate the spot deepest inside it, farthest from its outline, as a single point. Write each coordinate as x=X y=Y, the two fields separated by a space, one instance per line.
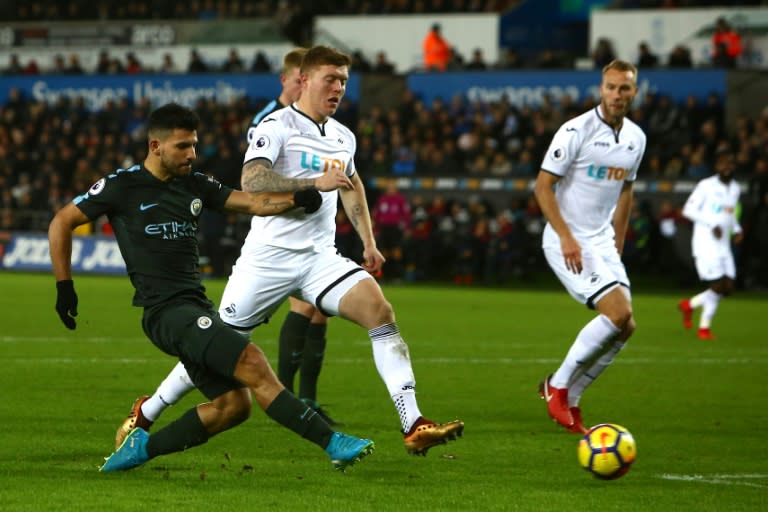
x=712 y=207
x=295 y=254
x=584 y=189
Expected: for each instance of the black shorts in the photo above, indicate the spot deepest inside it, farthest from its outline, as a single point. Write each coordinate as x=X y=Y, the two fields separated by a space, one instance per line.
x=189 y=328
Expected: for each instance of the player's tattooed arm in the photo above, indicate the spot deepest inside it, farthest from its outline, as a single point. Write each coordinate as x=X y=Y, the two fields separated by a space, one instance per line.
x=356 y=207
x=258 y=176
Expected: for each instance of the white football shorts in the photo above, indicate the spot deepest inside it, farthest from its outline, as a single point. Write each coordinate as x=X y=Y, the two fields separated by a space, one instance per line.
x=712 y=268
x=602 y=269
x=263 y=278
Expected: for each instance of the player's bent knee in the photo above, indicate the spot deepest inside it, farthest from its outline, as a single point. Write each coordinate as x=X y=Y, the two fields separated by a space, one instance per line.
x=628 y=329
x=621 y=318
x=383 y=312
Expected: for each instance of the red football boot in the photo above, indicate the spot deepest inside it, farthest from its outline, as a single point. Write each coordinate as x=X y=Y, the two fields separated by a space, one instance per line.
x=685 y=308
x=557 y=403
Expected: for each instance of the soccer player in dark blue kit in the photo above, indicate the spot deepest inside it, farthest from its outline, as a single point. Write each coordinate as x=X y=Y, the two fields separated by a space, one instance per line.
x=154 y=209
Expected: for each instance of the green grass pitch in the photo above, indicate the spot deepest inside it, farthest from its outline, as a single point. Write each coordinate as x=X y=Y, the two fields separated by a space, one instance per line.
x=697 y=410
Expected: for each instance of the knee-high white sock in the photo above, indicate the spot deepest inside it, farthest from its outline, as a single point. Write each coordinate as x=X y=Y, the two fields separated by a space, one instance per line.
x=589 y=343
x=709 y=308
x=582 y=382
x=174 y=386
x=393 y=362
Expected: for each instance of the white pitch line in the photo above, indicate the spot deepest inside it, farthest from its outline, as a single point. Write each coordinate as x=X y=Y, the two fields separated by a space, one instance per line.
x=719 y=479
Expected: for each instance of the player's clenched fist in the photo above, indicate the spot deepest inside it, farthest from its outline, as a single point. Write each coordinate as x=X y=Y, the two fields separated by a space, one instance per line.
x=332 y=180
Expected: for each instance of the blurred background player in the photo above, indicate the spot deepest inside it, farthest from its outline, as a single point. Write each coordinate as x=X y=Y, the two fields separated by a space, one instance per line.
x=584 y=189
x=712 y=208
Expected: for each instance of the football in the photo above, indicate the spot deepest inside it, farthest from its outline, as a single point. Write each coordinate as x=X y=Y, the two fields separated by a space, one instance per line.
x=607 y=451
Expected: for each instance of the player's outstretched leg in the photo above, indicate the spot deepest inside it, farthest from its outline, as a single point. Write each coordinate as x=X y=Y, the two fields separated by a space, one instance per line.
x=312 y=404
x=425 y=434
x=344 y=450
x=135 y=419
x=130 y=454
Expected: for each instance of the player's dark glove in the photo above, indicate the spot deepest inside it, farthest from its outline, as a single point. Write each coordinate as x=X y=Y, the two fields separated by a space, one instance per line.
x=66 y=302
x=308 y=198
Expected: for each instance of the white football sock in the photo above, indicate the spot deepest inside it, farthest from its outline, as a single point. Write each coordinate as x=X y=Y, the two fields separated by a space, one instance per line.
x=582 y=382
x=174 y=386
x=393 y=362
x=698 y=299
x=589 y=343
x=709 y=309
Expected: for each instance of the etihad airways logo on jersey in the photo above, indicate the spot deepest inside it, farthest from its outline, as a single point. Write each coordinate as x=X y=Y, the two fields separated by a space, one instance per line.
x=172 y=230
x=603 y=172
x=321 y=163
x=721 y=208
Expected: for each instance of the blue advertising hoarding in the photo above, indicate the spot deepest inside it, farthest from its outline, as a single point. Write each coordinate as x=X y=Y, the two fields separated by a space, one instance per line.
x=530 y=87
x=90 y=254
x=159 y=89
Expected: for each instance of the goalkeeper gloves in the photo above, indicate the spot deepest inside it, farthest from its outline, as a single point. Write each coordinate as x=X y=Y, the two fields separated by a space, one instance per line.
x=309 y=198
x=66 y=302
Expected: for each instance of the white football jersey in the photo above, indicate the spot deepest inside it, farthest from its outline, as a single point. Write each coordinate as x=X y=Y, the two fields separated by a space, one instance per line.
x=298 y=147
x=593 y=162
x=713 y=203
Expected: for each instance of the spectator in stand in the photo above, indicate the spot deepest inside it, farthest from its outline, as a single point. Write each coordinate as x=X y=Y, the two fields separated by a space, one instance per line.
x=457 y=60
x=646 y=58
x=383 y=65
x=603 y=53
x=360 y=63
x=405 y=161
x=74 y=67
x=680 y=57
x=500 y=165
x=59 y=65
x=133 y=64
x=233 y=64
x=14 y=66
x=392 y=219
x=509 y=59
x=477 y=62
x=261 y=63
x=726 y=45
x=103 y=63
x=31 y=68
x=665 y=122
x=196 y=63
x=168 y=65
x=437 y=51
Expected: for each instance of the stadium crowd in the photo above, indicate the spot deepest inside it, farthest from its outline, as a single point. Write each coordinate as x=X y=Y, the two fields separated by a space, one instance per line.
x=38 y=10
x=49 y=151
